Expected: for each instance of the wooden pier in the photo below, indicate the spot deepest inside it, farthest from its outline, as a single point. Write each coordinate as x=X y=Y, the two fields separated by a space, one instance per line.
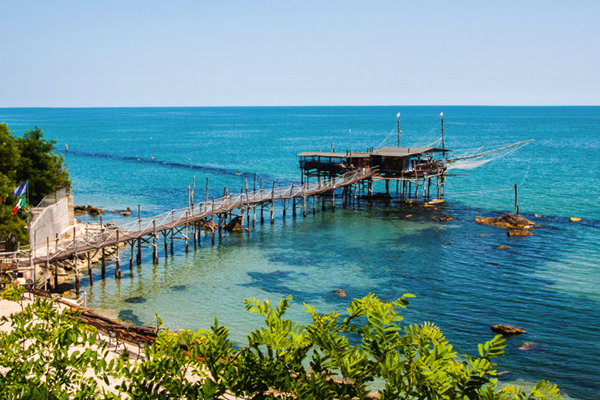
x=186 y=224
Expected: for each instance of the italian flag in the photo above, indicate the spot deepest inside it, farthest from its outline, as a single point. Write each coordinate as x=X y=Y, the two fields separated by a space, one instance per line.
x=20 y=204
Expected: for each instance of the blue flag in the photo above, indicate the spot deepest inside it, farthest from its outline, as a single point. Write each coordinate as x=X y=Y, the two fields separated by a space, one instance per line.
x=21 y=190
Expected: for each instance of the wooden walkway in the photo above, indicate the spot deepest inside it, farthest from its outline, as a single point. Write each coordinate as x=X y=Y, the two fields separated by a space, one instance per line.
x=177 y=222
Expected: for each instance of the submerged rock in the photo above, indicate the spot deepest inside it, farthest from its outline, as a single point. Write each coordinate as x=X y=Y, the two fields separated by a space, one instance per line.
x=507 y=330
x=135 y=300
x=528 y=346
x=341 y=293
x=503 y=247
x=575 y=219
x=207 y=225
x=235 y=225
x=442 y=219
x=519 y=232
x=506 y=221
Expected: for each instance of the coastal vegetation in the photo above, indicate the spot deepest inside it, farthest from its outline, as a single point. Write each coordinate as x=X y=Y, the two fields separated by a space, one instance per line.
x=50 y=354
x=29 y=158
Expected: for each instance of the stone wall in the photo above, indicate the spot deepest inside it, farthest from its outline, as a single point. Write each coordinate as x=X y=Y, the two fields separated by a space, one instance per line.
x=50 y=221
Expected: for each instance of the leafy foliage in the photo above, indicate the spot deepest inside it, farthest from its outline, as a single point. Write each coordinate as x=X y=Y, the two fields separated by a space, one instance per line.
x=27 y=158
x=47 y=353
x=333 y=357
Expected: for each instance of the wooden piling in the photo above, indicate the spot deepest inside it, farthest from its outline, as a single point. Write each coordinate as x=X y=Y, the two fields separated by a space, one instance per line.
x=262 y=208
x=118 y=263
x=89 y=265
x=132 y=244
x=273 y=204
x=154 y=247
x=75 y=262
x=166 y=246
x=187 y=247
x=213 y=221
x=172 y=228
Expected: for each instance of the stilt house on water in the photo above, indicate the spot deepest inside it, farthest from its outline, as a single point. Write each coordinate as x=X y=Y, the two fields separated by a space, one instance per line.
x=418 y=166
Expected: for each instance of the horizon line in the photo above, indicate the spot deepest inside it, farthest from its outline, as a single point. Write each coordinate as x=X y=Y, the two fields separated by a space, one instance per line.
x=299 y=106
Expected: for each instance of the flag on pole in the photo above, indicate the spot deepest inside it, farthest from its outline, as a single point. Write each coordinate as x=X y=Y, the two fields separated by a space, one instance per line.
x=20 y=204
x=398 y=115
x=441 y=114
x=21 y=190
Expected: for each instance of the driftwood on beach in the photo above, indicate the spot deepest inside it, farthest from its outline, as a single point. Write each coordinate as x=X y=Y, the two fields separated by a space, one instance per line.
x=133 y=334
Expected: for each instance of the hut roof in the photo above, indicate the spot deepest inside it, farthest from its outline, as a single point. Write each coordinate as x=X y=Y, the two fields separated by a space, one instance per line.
x=332 y=155
x=406 y=151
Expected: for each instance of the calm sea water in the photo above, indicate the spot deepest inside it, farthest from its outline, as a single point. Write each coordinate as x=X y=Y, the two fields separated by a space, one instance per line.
x=547 y=284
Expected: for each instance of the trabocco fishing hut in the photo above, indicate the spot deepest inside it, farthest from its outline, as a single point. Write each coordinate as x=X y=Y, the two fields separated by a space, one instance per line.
x=417 y=167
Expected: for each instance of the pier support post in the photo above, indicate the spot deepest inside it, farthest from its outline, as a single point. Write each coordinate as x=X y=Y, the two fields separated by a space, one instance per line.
x=154 y=247
x=131 y=259
x=187 y=246
x=166 y=246
x=118 y=273
x=172 y=228
x=333 y=199
x=262 y=204
x=304 y=205
x=55 y=274
x=195 y=237
x=89 y=264
x=76 y=266
x=103 y=263
x=139 y=251
x=273 y=204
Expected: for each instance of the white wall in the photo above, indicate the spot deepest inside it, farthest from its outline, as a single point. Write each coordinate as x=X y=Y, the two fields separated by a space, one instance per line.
x=52 y=220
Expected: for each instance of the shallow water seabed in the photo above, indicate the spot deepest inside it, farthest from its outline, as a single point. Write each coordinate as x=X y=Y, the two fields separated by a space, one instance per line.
x=462 y=281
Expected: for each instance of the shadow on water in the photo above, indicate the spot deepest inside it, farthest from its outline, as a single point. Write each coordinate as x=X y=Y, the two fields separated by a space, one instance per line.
x=129 y=316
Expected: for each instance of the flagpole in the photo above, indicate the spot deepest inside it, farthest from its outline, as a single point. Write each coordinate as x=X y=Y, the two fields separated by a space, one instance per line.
x=443 y=144
x=399 y=131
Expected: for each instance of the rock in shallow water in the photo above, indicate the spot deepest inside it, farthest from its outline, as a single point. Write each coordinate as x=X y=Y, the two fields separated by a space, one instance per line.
x=506 y=221
x=135 y=300
x=507 y=330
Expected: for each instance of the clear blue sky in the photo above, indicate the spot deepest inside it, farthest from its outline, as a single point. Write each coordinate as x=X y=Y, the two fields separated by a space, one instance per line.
x=247 y=53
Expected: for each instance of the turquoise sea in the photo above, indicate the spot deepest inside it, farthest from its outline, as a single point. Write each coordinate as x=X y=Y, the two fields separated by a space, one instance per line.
x=548 y=284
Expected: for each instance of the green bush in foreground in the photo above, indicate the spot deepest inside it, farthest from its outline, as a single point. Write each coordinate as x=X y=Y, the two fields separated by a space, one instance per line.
x=282 y=359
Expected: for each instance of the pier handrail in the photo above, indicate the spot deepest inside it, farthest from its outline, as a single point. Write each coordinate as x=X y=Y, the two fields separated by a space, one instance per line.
x=148 y=225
